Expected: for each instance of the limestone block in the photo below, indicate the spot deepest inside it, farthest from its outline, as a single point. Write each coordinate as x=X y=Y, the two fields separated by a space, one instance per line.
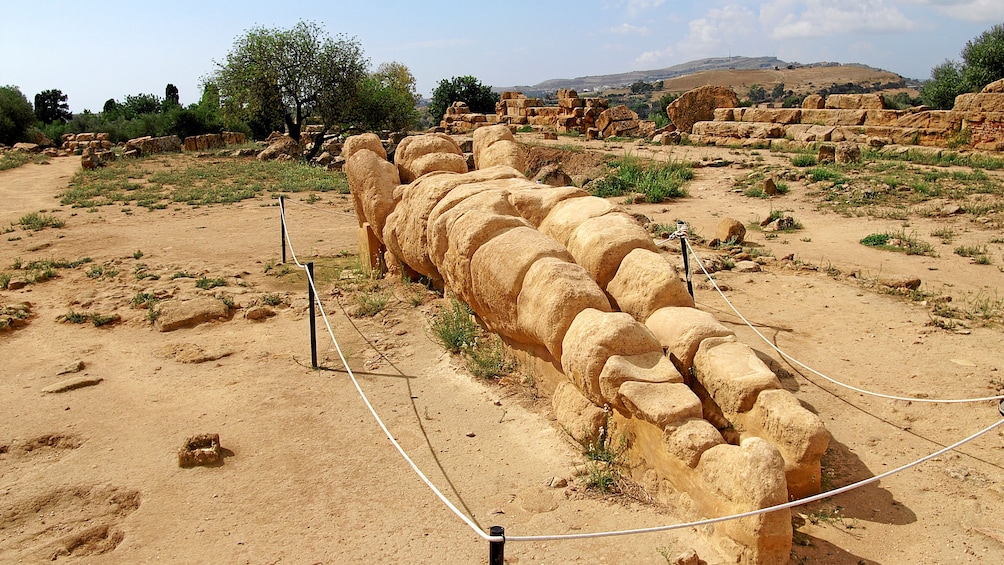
x=732 y=374
x=699 y=104
x=660 y=403
x=576 y=415
x=855 y=102
x=724 y=114
x=934 y=119
x=468 y=231
x=882 y=117
x=173 y=314
x=750 y=476
x=814 y=102
x=645 y=282
x=833 y=117
x=600 y=244
x=681 y=331
x=570 y=213
x=420 y=154
x=689 y=439
x=365 y=140
x=497 y=271
x=487 y=136
x=372 y=180
x=593 y=338
x=651 y=367
x=798 y=433
x=979 y=102
x=536 y=204
x=500 y=153
x=481 y=197
x=554 y=292
x=730 y=229
x=773 y=115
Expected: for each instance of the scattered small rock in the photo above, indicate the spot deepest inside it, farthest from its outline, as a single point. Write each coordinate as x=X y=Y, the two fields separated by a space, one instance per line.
x=74 y=367
x=72 y=384
x=900 y=281
x=689 y=557
x=257 y=313
x=747 y=267
x=203 y=449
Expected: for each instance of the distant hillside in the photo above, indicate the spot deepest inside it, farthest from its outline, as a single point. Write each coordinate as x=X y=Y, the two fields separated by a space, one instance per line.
x=727 y=71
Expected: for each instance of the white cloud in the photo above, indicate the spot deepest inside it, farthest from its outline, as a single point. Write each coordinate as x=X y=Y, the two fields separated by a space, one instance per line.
x=969 y=10
x=792 y=19
x=718 y=26
x=628 y=29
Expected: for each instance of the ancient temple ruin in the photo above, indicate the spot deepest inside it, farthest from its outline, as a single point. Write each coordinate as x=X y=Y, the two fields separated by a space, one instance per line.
x=577 y=286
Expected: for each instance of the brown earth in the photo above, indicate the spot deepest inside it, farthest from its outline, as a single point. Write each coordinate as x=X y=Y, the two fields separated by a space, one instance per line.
x=801 y=80
x=91 y=475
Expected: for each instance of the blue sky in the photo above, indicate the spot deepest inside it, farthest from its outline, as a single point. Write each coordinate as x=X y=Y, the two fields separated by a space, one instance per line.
x=96 y=51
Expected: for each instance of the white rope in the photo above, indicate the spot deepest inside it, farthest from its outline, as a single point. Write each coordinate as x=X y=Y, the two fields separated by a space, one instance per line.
x=815 y=372
x=784 y=506
x=338 y=212
x=366 y=401
x=481 y=533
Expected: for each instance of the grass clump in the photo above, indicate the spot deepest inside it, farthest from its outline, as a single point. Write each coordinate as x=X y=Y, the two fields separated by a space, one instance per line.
x=103 y=319
x=817 y=174
x=75 y=317
x=489 y=358
x=804 y=160
x=657 y=181
x=454 y=327
x=206 y=283
x=605 y=455
x=899 y=241
x=370 y=303
x=38 y=222
x=978 y=253
x=14 y=159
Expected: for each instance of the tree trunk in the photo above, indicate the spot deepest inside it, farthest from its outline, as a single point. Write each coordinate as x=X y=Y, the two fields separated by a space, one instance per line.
x=318 y=140
x=293 y=127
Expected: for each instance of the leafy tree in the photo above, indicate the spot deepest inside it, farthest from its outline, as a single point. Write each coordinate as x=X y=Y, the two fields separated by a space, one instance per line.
x=756 y=94
x=388 y=99
x=51 y=106
x=983 y=59
x=479 y=97
x=16 y=115
x=777 y=93
x=945 y=84
x=292 y=74
x=171 y=95
x=136 y=105
x=641 y=87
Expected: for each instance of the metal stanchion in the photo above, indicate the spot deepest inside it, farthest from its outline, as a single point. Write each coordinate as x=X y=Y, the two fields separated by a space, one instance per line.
x=282 y=225
x=313 y=322
x=496 y=550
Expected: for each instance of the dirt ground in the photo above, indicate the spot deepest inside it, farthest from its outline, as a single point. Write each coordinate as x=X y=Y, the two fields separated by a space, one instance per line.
x=91 y=475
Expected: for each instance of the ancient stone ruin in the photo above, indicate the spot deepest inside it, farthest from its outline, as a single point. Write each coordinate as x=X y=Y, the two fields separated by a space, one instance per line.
x=590 y=116
x=576 y=285
x=976 y=121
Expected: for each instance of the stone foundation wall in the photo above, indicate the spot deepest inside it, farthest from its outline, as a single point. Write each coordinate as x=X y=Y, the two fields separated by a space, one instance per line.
x=860 y=118
x=578 y=286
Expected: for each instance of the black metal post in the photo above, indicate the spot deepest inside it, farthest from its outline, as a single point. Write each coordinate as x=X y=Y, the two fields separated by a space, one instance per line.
x=313 y=322
x=496 y=550
x=282 y=225
x=686 y=260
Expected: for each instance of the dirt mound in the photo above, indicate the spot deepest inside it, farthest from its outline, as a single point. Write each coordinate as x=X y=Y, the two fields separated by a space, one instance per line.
x=582 y=165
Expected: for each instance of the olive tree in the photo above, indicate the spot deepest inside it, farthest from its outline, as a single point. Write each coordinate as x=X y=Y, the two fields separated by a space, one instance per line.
x=945 y=84
x=388 y=99
x=478 y=97
x=294 y=74
x=983 y=59
x=16 y=115
x=51 y=106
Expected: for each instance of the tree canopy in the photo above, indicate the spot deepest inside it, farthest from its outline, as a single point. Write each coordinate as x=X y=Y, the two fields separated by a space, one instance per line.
x=478 y=97
x=51 y=106
x=16 y=115
x=290 y=75
x=387 y=99
x=982 y=63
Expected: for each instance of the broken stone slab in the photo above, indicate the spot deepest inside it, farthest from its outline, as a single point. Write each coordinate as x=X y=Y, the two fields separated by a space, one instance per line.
x=173 y=315
x=74 y=367
x=72 y=384
x=900 y=281
x=200 y=450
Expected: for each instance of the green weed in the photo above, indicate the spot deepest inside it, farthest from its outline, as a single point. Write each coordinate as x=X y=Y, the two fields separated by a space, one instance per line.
x=206 y=283
x=75 y=317
x=490 y=358
x=38 y=222
x=804 y=160
x=370 y=303
x=656 y=180
x=978 y=253
x=103 y=319
x=454 y=327
x=899 y=241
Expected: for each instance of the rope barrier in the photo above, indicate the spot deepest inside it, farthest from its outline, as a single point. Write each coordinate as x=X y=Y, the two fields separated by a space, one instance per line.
x=496 y=539
x=337 y=212
x=815 y=372
x=366 y=401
